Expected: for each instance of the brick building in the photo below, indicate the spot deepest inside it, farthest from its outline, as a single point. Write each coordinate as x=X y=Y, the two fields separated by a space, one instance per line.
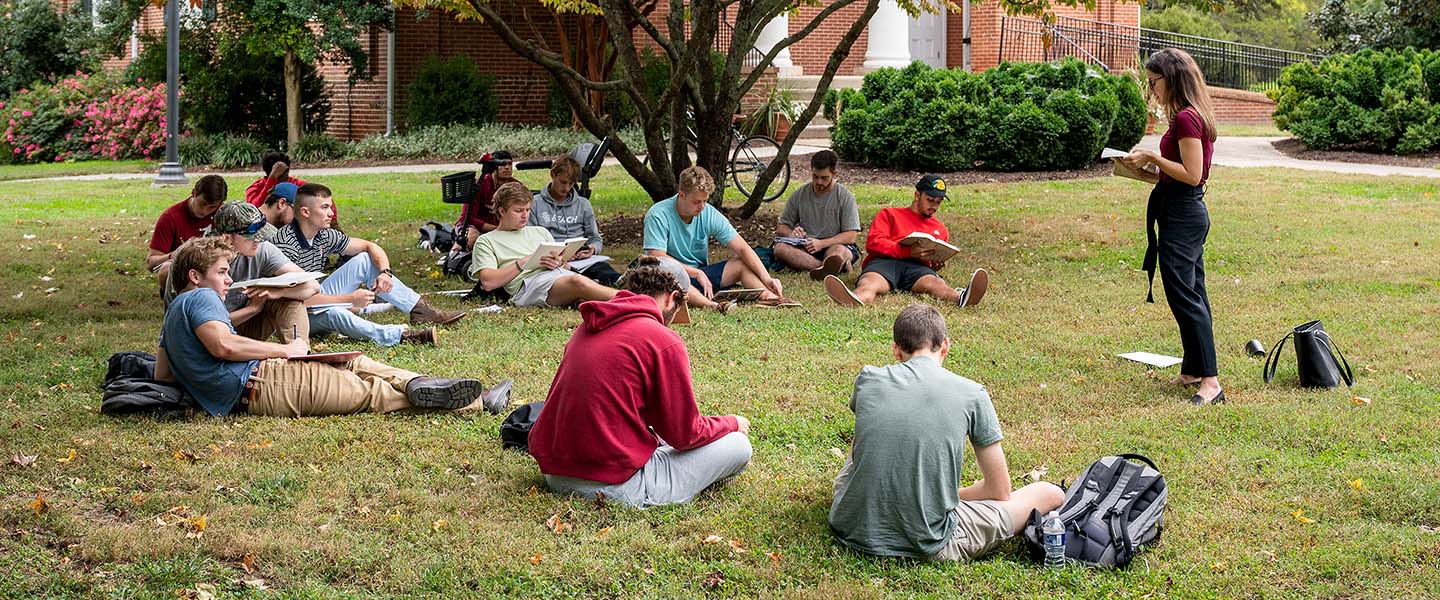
x=892 y=38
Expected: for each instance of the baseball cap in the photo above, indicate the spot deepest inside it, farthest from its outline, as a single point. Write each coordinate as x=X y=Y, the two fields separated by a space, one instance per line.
x=285 y=190
x=241 y=218
x=932 y=185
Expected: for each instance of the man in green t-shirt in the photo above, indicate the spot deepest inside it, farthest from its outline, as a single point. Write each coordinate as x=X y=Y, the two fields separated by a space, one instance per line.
x=500 y=255
x=897 y=493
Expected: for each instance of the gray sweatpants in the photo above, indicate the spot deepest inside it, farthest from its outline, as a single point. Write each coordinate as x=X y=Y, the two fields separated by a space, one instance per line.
x=670 y=476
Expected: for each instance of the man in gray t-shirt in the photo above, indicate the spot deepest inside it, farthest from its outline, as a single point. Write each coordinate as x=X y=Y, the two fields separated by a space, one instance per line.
x=897 y=493
x=820 y=223
x=255 y=312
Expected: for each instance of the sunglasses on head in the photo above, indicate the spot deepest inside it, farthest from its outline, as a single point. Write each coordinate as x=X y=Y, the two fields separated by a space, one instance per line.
x=252 y=228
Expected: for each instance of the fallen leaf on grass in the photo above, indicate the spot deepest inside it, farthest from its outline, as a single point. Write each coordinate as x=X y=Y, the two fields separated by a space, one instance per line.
x=1299 y=515
x=604 y=531
x=68 y=457
x=1217 y=566
x=556 y=525
x=774 y=558
x=438 y=525
x=535 y=560
x=185 y=456
x=1037 y=473
x=1429 y=529
x=714 y=579
x=838 y=453
x=713 y=539
x=255 y=583
x=1360 y=401
x=1357 y=485
x=247 y=562
x=532 y=491
x=196 y=526
x=737 y=547
x=39 y=505
x=204 y=591
x=24 y=460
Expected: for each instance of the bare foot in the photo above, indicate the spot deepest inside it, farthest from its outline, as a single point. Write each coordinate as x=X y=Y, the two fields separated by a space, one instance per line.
x=1183 y=379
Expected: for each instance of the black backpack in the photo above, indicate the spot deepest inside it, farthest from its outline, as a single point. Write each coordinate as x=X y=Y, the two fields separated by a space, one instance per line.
x=130 y=388
x=438 y=238
x=132 y=365
x=1115 y=507
x=515 y=431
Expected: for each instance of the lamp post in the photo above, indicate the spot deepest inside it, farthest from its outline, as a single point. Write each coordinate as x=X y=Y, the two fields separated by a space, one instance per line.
x=171 y=173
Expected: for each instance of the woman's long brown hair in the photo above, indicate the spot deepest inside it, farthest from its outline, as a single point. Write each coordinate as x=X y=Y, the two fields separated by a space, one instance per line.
x=1185 y=86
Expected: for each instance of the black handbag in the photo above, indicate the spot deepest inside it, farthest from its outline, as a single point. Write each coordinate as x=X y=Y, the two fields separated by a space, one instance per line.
x=1316 y=357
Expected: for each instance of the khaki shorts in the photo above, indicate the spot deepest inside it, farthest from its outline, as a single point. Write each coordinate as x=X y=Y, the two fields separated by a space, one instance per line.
x=979 y=526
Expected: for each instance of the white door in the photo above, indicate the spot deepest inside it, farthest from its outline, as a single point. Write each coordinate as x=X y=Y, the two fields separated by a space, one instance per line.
x=927 y=39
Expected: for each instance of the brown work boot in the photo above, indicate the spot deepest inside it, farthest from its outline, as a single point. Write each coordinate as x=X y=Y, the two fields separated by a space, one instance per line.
x=424 y=314
x=427 y=335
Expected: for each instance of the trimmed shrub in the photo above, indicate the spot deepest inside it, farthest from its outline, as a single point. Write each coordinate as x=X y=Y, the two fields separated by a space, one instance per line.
x=317 y=147
x=1015 y=117
x=197 y=150
x=236 y=151
x=1386 y=101
x=449 y=91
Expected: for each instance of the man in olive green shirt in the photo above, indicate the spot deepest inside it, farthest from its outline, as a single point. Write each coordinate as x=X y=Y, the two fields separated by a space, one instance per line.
x=897 y=493
x=499 y=258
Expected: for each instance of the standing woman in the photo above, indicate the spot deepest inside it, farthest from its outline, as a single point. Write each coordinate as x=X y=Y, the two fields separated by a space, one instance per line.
x=1177 y=206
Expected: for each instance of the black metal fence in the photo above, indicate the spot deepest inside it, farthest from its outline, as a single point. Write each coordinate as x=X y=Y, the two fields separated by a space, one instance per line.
x=1119 y=48
x=726 y=32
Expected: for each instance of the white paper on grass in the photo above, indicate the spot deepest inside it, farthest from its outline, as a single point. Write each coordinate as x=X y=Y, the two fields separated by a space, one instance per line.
x=1155 y=360
x=1113 y=153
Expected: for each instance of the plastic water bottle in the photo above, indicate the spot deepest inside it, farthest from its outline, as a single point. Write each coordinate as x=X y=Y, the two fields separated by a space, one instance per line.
x=1054 y=532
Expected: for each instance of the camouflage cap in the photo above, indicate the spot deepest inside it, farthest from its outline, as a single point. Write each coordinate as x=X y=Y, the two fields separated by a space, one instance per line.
x=243 y=219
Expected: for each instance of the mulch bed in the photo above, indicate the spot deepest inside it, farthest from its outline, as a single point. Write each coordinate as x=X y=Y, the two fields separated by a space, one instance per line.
x=1294 y=148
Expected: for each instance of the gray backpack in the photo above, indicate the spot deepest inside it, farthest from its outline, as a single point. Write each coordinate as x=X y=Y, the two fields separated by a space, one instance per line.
x=1115 y=507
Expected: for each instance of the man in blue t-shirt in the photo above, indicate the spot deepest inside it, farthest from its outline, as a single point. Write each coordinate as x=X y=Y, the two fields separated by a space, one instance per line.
x=681 y=228
x=229 y=373
x=918 y=414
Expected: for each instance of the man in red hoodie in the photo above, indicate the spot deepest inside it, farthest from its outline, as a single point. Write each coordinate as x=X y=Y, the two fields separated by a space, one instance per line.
x=892 y=263
x=276 y=166
x=621 y=419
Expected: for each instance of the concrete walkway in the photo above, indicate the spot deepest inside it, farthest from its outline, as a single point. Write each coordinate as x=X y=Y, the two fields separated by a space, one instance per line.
x=1245 y=152
x=1258 y=152
x=308 y=174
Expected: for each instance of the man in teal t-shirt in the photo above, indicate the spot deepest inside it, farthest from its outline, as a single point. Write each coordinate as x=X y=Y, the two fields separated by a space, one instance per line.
x=681 y=228
x=897 y=493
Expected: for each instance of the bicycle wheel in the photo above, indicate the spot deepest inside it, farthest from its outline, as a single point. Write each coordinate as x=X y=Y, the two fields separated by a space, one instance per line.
x=751 y=158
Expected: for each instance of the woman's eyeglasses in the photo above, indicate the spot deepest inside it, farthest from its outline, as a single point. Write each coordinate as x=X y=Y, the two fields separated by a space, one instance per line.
x=1152 y=80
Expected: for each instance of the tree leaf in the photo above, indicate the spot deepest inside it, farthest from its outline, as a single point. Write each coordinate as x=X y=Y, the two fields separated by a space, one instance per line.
x=68 y=457
x=39 y=505
x=24 y=460
x=1299 y=515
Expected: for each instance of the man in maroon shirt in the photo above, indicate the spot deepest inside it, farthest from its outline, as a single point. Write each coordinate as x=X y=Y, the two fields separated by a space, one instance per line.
x=621 y=419
x=894 y=263
x=190 y=218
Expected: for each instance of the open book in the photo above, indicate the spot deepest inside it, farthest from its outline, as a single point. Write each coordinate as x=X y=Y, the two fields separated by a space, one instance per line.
x=279 y=281
x=1125 y=170
x=921 y=240
x=791 y=241
x=329 y=357
x=566 y=249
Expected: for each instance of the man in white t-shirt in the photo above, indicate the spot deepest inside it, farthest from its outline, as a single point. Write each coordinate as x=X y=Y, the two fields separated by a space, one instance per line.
x=499 y=258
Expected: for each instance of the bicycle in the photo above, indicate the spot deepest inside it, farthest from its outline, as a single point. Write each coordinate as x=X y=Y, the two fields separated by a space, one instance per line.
x=750 y=157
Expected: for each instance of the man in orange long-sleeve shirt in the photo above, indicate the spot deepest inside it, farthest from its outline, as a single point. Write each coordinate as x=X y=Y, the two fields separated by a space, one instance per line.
x=890 y=265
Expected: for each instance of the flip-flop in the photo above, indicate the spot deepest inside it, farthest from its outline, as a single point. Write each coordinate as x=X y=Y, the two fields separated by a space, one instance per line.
x=777 y=303
x=832 y=266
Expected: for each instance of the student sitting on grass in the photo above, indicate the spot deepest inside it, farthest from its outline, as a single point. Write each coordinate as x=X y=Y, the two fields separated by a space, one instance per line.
x=500 y=256
x=309 y=240
x=259 y=312
x=189 y=218
x=228 y=373
x=891 y=266
x=896 y=494
x=681 y=228
x=824 y=215
x=567 y=214
x=621 y=418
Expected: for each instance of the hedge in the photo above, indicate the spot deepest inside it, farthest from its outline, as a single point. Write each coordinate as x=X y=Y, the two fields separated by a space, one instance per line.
x=1387 y=101
x=1014 y=117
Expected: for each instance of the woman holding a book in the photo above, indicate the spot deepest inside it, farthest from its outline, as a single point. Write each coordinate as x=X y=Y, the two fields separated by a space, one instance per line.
x=1177 y=221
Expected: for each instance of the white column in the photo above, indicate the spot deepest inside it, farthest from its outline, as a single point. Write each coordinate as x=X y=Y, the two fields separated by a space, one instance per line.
x=889 y=38
x=778 y=29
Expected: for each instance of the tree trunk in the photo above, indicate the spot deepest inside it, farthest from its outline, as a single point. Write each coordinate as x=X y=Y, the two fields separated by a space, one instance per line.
x=293 y=123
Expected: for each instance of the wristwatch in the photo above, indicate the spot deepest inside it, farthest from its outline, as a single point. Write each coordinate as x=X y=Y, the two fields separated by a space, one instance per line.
x=387 y=272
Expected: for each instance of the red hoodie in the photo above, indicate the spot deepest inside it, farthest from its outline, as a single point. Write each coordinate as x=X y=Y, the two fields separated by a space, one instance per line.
x=623 y=372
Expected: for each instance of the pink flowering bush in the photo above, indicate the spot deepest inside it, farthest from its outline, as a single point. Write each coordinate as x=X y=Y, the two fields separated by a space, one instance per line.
x=83 y=117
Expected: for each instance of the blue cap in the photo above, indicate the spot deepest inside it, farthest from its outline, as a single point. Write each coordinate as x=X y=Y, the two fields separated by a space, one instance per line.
x=285 y=190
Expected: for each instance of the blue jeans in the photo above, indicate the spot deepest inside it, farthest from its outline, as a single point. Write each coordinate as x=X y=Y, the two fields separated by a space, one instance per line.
x=359 y=272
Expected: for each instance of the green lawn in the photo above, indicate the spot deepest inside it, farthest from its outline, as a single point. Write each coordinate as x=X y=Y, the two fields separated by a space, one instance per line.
x=84 y=167
x=1236 y=130
x=430 y=506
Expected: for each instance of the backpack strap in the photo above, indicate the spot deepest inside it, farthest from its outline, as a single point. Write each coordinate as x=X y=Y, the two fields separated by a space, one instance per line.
x=1141 y=458
x=1330 y=343
x=1272 y=361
